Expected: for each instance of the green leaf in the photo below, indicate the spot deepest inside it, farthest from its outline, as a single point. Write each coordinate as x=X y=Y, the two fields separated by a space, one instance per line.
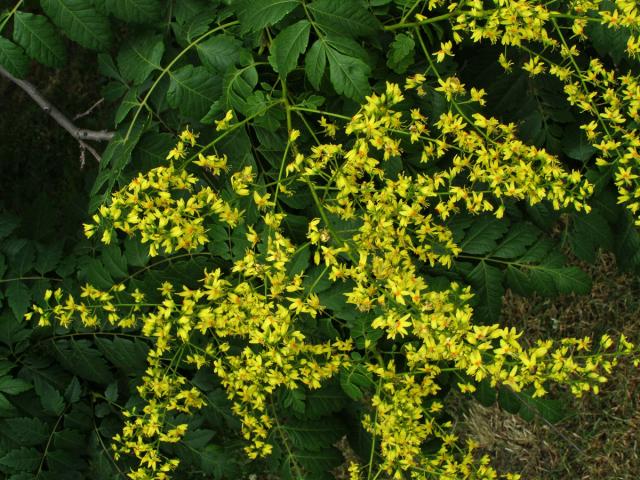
x=6 y=366
x=73 y=390
x=138 y=59
x=128 y=355
x=256 y=15
x=13 y=59
x=111 y=392
x=96 y=274
x=575 y=144
x=348 y=74
x=6 y=407
x=237 y=86
x=80 y=21
x=13 y=386
x=221 y=52
x=317 y=463
x=19 y=298
x=8 y=221
x=487 y=281
x=288 y=45
x=508 y=400
x=135 y=11
x=324 y=401
x=114 y=261
x=79 y=357
x=589 y=232
x=39 y=38
x=315 y=63
x=401 y=53
x=128 y=103
x=21 y=254
x=21 y=459
x=485 y=393
x=137 y=254
x=608 y=41
x=570 y=280
x=541 y=269
x=195 y=27
x=482 y=236
x=314 y=434
x=627 y=246
x=518 y=281
x=152 y=151
x=50 y=398
x=299 y=262
x=22 y=476
x=344 y=17
x=551 y=409
x=353 y=380
x=186 y=10
x=192 y=91
x=26 y=431
x=199 y=438
x=520 y=237
x=48 y=257
x=217 y=461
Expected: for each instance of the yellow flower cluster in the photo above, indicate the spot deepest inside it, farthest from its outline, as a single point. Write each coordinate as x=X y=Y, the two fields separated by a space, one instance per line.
x=167 y=206
x=611 y=98
x=402 y=224
x=247 y=323
x=165 y=395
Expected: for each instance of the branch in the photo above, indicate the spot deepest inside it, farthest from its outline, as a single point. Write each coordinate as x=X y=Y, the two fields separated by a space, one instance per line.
x=77 y=133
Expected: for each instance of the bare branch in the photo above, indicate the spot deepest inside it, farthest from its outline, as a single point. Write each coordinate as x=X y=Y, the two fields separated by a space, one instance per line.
x=78 y=133
x=91 y=108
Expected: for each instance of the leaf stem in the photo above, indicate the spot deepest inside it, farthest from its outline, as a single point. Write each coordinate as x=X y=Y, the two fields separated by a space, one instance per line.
x=10 y=14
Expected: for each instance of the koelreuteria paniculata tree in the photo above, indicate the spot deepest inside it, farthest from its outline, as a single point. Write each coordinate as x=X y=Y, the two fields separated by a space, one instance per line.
x=355 y=242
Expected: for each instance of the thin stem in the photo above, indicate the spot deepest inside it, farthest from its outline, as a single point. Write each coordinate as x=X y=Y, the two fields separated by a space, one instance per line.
x=10 y=14
x=426 y=21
